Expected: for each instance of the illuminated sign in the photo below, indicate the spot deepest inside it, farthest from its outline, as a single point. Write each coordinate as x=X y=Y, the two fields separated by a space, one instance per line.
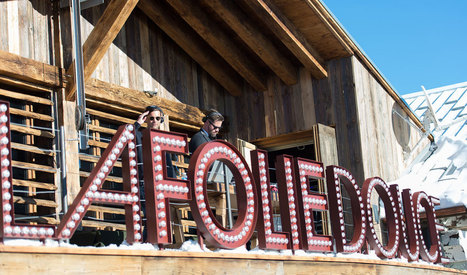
x=297 y=202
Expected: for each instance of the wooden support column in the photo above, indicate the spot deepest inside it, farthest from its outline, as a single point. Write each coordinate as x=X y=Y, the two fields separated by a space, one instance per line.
x=100 y=39
x=72 y=151
x=179 y=236
x=246 y=29
x=224 y=45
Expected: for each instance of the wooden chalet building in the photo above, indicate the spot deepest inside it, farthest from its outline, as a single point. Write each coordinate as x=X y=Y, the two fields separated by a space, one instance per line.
x=285 y=74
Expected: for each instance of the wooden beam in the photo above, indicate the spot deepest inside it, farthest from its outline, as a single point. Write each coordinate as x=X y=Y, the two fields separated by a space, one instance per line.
x=34 y=201
x=98 y=224
x=29 y=70
x=33 y=166
x=286 y=140
x=193 y=45
x=331 y=24
x=108 y=178
x=32 y=131
x=100 y=39
x=25 y=97
x=447 y=212
x=38 y=116
x=134 y=99
x=99 y=144
x=106 y=209
x=29 y=183
x=290 y=36
x=224 y=45
x=247 y=30
x=100 y=129
x=95 y=159
x=23 y=84
x=111 y=117
x=32 y=149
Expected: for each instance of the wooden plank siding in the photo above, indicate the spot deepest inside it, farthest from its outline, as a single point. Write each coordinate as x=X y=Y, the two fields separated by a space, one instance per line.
x=336 y=105
x=369 y=141
x=25 y=29
x=385 y=137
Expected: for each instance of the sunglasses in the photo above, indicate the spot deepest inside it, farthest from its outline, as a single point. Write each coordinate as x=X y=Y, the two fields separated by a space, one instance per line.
x=151 y=118
x=214 y=126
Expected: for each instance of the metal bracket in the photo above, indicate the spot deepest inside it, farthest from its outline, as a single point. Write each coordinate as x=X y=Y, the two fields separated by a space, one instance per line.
x=151 y=93
x=82 y=125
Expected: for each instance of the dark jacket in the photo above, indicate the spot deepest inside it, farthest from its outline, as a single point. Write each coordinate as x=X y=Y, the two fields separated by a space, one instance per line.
x=198 y=139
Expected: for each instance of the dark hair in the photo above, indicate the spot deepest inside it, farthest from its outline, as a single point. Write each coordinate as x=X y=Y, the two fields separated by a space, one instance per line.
x=153 y=108
x=213 y=115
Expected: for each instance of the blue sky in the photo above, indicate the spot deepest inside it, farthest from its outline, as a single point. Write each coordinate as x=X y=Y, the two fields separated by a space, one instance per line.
x=412 y=42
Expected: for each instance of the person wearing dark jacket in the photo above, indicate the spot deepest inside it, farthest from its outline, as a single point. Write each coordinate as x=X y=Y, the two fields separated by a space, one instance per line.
x=212 y=124
x=154 y=117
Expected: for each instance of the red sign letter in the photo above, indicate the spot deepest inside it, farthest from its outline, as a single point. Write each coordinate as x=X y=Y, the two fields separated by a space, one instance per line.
x=288 y=199
x=434 y=253
x=159 y=189
x=334 y=176
x=8 y=228
x=211 y=229
x=392 y=220
x=308 y=202
x=267 y=237
x=92 y=187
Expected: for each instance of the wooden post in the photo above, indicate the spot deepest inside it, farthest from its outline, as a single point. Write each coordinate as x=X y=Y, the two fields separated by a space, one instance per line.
x=72 y=151
x=177 y=230
x=326 y=152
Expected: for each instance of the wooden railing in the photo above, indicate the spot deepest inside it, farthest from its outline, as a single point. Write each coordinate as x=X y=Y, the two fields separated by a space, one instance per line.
x=36 y=170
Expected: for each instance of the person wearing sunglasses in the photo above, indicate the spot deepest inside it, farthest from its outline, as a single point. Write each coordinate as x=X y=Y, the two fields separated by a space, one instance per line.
x=154 y=117
x=211 y=127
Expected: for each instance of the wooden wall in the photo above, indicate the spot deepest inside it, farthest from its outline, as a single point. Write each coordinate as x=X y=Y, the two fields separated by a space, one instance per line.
x=142 y=57
x=372 y=139
x=26 y=28
x=336 y=106
x=385 y=137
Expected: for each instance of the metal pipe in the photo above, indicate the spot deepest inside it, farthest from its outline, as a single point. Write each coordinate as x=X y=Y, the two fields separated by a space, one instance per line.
x=63 y=170
x=79 y=76
x=227 y=197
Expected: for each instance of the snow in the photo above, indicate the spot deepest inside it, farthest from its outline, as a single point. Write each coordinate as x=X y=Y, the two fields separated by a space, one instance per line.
x=463 y=239
x=443 y=174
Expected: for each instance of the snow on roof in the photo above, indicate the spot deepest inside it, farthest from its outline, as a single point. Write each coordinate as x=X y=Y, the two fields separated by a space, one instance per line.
x=449 y=103
x=441 y=172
